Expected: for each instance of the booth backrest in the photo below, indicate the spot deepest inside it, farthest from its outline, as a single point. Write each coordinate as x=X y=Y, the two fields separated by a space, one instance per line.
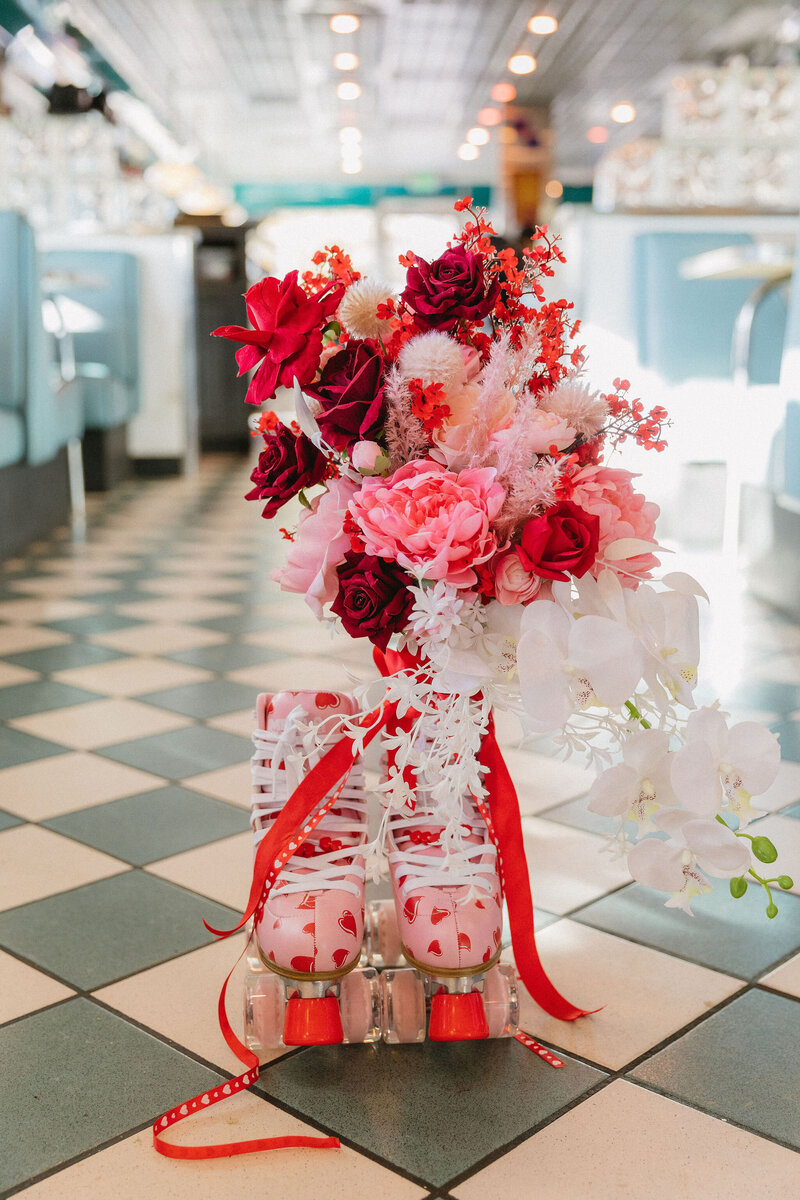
x=25 y=362
x=685 y=326
x=105 y=281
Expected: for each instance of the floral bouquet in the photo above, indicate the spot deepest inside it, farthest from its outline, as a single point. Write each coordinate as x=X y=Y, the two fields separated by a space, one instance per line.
x=461 y=511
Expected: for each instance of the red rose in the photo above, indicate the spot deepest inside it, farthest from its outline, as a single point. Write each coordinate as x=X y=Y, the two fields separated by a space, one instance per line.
x=373 y=600
x=350 y=390
x=288 y=463
x=561 y=542
x=449 y=288
x=286 y=334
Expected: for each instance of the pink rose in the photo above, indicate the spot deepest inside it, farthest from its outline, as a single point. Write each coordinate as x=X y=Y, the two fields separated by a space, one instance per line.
x=512 y=583
x=472 y=362
x=623 y=513
x=364 y=456
x=427 y=517
x=319 y=547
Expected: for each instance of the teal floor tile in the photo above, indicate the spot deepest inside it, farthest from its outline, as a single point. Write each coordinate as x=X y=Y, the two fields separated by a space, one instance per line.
x=742 y=1064
x=8 y=821
x=141 y=829
x=77 y=1075
x=230 y=656
x=101 y=622
x=734 y=936
x=766 y=695
x=576 y=814
x=23 y=699
x=17 y=747
x=61 y=658
x=210 y=699
x=794 y=811
x=434 y=1110
x=182 y=753
x=95 y=934
x=246 y=622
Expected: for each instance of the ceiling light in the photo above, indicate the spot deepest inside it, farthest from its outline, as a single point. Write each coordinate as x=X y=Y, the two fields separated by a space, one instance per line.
x=554 y=189
x=490 y=116
x=597 y=134
x=478 y=136
x=348 y=91
x=344 y=23
x=504 y=93
x=345 y=61
x=468 y=152
x=623 y=114
x=521 y=64
x=542 y=24
x=507 y=134
x=204 y=200
x=351 y=166
x=349 y=134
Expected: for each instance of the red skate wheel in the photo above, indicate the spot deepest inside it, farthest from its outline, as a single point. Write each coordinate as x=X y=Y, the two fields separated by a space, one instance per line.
x=457 y=1018
x=312 y=1021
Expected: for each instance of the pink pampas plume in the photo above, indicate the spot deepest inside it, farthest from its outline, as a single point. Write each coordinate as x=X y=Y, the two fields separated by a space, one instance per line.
x=528 y=493
x=406 y=439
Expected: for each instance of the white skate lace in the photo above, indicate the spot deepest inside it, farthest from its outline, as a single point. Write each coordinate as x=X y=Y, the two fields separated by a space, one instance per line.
x=330 y=869
x=462 y=866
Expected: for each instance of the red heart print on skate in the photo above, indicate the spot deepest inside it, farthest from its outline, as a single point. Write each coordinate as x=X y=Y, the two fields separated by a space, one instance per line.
x=327 y=700
x=347 y=922
x=435 y=948
x=302 y=962
x=463 y=942
x=410 y=909
x=438 y=915
x=340 y=957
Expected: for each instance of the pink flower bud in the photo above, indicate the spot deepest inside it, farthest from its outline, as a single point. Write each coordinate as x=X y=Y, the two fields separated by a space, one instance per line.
x=365 y=455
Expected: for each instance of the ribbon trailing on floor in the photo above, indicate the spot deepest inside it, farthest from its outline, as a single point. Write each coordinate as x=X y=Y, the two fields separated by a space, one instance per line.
x=302 y=812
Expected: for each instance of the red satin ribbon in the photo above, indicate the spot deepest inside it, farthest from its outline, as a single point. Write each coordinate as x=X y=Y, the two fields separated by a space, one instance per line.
x=302 y=812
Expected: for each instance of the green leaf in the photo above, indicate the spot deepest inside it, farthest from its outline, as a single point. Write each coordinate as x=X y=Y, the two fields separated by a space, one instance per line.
x=303 y=498
x=764 y=850
x=738 y=887
x=772 y=911
x=786 y=882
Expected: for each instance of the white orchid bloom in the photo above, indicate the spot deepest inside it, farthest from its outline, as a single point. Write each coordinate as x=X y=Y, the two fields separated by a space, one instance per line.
x=694 y=846
x=567 y=665
x=668 y=626
x=639 y=786
x=719 y=764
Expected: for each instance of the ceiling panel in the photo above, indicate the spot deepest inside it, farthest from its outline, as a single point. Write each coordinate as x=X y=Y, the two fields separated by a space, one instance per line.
x=252 y=82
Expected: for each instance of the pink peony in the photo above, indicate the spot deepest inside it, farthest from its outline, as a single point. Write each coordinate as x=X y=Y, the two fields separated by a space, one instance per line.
x=513 y=584
x=319 y=548
x=623 y=513
x=427 y=517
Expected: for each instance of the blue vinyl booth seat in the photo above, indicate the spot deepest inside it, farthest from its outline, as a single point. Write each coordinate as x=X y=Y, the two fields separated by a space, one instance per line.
x=106 y=358
x=685 y=326
x=37 y=416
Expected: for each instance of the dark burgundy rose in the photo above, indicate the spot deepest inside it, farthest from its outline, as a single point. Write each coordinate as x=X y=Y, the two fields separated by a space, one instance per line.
x=288 y=463
x=350 y=390
x=373 y=600
x=449 y=288
x=561 y=542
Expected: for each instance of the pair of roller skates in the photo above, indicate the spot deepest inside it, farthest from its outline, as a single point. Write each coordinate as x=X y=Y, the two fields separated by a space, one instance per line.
x=324 y=967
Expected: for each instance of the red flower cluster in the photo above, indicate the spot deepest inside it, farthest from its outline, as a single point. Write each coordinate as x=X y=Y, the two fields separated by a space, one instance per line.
x=427 y=404
x=628 y=419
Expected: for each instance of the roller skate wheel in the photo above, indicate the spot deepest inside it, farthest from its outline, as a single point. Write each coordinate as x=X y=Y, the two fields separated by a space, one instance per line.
x=264 y=1005
x=403 y=1006
x=361 y=1006
x=500 y=1001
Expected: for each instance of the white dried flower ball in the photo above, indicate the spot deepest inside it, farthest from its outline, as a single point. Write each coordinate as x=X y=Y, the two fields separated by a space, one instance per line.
x=358 y=311
x=581 y=408
x=434 y=358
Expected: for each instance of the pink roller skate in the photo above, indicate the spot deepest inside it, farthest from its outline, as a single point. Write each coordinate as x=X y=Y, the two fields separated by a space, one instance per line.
x=447 y=924
x=302 y=989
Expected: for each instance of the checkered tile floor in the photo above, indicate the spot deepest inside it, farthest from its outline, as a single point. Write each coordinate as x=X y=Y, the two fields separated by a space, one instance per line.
x=128 y=670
